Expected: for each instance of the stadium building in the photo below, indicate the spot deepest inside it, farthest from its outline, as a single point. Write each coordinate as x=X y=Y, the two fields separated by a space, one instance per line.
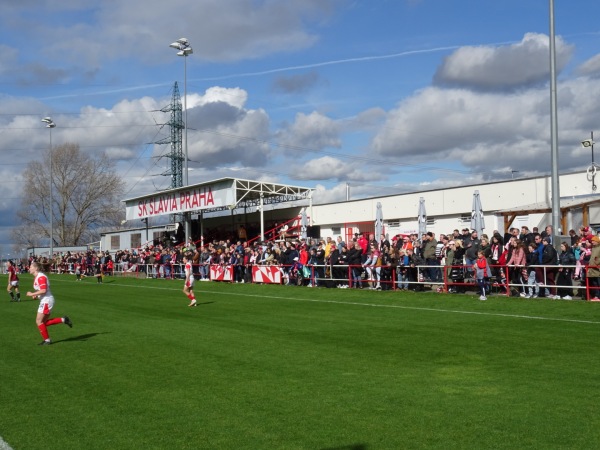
x=221 y=208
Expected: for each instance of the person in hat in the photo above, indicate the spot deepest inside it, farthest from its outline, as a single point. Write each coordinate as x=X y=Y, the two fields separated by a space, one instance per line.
x=294 y=275
x=405 y=243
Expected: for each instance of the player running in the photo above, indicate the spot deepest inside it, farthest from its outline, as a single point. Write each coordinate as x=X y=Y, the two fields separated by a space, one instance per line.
x=188 y=287
x=41 y=284
x=13 y=282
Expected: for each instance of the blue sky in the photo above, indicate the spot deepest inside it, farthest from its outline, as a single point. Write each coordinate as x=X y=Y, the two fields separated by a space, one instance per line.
x=385 y=95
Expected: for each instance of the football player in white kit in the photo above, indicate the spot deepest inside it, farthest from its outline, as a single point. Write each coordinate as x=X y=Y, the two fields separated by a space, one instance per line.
x=41 y=284
x=188 y=287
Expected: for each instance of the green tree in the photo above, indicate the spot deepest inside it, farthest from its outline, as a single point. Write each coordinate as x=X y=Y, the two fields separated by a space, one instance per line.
x=86 y=197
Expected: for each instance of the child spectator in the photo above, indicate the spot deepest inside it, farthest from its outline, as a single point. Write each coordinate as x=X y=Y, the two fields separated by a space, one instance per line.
x=482 y=273
x=533 y=288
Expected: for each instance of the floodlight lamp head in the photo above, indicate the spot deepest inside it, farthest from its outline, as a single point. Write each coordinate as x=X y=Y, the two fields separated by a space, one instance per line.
x=587 y=143
x=185 y=51
x=49 y=122
x=182 y=44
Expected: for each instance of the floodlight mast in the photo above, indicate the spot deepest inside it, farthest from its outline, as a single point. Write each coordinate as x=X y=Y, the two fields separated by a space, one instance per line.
x=556 y=213
x=50 y=124
x=591 y=171
x=185 y=49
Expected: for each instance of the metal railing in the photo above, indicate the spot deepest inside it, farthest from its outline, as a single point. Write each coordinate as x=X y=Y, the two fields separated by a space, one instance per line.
x=506 y=280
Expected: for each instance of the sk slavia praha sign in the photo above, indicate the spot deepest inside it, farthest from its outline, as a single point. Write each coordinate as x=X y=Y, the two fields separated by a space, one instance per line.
x=180 y=200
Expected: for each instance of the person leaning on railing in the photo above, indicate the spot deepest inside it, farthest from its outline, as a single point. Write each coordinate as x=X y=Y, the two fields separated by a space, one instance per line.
x=458 y=269
x=387 y=259
x=449 y=259
x=566 y=259
x=402 y=263
x=550 y=261
x=354 y=262
x=517 y=261
x=415 y=261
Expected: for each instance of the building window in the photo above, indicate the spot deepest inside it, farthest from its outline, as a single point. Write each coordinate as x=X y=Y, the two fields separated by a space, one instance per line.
x=431 y=220
x=136 y=240
x=336 y=230
x=115 y=242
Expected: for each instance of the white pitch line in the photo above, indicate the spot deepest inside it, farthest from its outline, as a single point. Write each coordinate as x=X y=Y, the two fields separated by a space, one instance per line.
x=4 y=445
x=420 y=308
x=414 y=308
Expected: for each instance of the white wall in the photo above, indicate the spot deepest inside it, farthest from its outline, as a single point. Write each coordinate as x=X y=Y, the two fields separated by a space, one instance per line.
x=445 y=206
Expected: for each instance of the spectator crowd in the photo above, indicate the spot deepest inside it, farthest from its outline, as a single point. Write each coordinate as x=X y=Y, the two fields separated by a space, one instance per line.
x=522 y=262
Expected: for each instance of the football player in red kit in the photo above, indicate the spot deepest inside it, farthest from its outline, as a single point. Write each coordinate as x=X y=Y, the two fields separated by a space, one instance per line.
x=41 y=284
x=13 y=282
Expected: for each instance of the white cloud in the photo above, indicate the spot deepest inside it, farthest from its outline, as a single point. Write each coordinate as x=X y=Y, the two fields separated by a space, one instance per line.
x=328 y=168
x=311 y=132
x=505 y=67
x=590 y=67
x=333 y=194
x=233 y=96
x=481 y=131
x=218 y=31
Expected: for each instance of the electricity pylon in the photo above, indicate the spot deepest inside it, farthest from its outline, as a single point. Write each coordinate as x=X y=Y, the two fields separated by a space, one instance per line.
x=175 y=139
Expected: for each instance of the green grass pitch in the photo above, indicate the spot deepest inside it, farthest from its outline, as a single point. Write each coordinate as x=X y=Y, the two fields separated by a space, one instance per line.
x=281 y=367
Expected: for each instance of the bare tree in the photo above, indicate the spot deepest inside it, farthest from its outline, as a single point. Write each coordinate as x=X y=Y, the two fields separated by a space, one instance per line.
x=86 y=196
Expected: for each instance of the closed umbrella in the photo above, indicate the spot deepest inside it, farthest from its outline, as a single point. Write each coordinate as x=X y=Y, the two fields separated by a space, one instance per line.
x=422 y=218
x=477 y=220
x=378 y=221
x=303 y=224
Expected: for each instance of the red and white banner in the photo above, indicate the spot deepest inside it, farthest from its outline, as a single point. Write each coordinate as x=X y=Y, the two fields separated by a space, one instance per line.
x=221 y=273
x=266 y=274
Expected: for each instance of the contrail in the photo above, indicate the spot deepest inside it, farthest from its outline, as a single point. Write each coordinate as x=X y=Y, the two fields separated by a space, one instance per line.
x=331 y=63
x=350 y=60
x=284 y=69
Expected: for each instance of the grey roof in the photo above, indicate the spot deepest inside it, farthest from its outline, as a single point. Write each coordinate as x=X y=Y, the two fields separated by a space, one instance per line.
x=565 y=203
